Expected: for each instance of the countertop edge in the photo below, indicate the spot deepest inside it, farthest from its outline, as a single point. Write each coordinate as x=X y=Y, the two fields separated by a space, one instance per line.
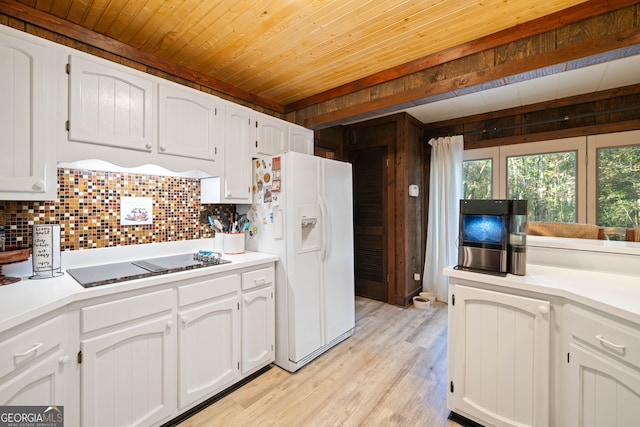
x=620 y=300
x=29 y=299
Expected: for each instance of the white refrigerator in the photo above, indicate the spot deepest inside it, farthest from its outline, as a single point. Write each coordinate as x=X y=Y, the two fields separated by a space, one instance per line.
x=303 y=212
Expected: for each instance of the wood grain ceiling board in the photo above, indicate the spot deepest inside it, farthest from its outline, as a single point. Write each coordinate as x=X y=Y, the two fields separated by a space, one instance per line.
x=287 y=50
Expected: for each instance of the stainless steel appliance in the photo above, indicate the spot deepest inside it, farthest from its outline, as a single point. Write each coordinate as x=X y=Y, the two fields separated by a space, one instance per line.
x=98 y=275
x=492 y=236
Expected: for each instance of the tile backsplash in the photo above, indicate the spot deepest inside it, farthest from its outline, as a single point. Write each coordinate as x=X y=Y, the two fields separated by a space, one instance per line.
x=88 y=210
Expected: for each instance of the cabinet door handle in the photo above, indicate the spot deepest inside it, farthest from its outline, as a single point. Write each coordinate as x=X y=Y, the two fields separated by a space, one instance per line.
x=543 y=309
x=33 y=349
x=169 y=324
x=607 y=343
x=64 y=360
x=38 y=185
x=163 y=148
x=148 y=146
x=185 y=320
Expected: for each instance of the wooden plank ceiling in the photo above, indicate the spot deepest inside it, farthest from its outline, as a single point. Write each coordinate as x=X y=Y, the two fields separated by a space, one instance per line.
x=288 y=50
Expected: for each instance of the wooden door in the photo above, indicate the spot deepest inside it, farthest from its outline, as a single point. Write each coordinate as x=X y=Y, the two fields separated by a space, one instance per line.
x=370 y=222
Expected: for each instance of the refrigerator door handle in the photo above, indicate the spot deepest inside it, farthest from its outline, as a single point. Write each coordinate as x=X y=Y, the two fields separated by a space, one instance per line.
x=325 y=228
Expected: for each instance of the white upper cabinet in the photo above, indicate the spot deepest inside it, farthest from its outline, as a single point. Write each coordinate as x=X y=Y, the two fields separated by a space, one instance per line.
x=300 y=139
x=110 y=105
x=27 y=91
x=272 y=135
x=239 y=133
x=187 y=122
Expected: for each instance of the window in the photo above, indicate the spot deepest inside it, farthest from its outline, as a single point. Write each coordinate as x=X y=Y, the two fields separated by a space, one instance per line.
x=593 y=179
x=615 y=201
x=476 y=179
x=547 y=181
x=480 y=173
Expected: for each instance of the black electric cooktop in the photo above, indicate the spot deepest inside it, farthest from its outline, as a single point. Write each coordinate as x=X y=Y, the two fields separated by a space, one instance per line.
x=105 y=274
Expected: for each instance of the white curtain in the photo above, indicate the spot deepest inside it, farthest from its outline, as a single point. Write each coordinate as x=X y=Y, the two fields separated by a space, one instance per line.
x=445 y=192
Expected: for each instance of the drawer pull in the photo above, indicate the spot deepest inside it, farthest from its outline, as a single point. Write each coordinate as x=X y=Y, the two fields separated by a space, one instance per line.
x=33 y=349
x=607 y=343
x=259 y=282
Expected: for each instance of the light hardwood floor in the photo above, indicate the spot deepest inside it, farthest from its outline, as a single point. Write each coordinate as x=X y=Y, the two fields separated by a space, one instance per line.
x=391 y=372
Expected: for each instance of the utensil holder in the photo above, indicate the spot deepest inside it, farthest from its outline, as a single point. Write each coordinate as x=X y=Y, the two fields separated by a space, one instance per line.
x=234 y=243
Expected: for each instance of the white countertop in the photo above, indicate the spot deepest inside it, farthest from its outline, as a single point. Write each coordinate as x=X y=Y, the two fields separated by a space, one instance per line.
x=616 y=294
x=30 y=298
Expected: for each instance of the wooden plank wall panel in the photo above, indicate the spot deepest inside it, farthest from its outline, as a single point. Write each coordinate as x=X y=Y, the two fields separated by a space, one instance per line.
x=601 y=112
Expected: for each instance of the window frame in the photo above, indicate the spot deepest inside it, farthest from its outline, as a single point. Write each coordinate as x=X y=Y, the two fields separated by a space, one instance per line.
x=595 y=142
x=577 y=144
x=490 y=153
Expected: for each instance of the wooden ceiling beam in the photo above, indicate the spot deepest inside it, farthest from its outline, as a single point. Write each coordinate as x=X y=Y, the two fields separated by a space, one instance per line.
x=76 y=32
x=413 y=97
x=567 y=16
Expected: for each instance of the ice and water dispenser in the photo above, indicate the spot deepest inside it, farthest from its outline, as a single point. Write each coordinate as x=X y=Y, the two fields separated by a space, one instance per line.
x=309 y=227
x=492 y=236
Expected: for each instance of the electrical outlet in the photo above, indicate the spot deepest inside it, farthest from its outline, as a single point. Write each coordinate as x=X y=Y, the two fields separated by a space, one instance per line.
x=416 y=276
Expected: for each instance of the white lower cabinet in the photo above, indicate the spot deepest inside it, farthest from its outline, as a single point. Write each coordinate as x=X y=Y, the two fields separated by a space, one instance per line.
x=208 y=338
x=147 y=358
x=258 y=320
x=602 y=371
x=34 y=365
x=257 y=329
x=499 y=357
x=128 y=373
x=143 y=357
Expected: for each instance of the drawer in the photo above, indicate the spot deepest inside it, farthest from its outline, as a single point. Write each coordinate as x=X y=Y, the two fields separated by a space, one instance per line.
x=606 y=334
x=126 y=309
x=208 y=289
x=19 y=350
x=257 y=278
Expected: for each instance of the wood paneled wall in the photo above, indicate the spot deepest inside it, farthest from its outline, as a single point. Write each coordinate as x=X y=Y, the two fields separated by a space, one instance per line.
x=600 y=112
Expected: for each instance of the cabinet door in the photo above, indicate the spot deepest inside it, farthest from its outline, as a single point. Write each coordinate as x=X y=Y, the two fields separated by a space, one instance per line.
x=300 y=139
x=128 y=377
x=237 y=158
x=187 y=123
x=500 y=357
x=272 y=135
x=258 y=329
x=110 y=105
x=601 y=391
x=27 y=165
x=40 y=384
x=208 y=349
